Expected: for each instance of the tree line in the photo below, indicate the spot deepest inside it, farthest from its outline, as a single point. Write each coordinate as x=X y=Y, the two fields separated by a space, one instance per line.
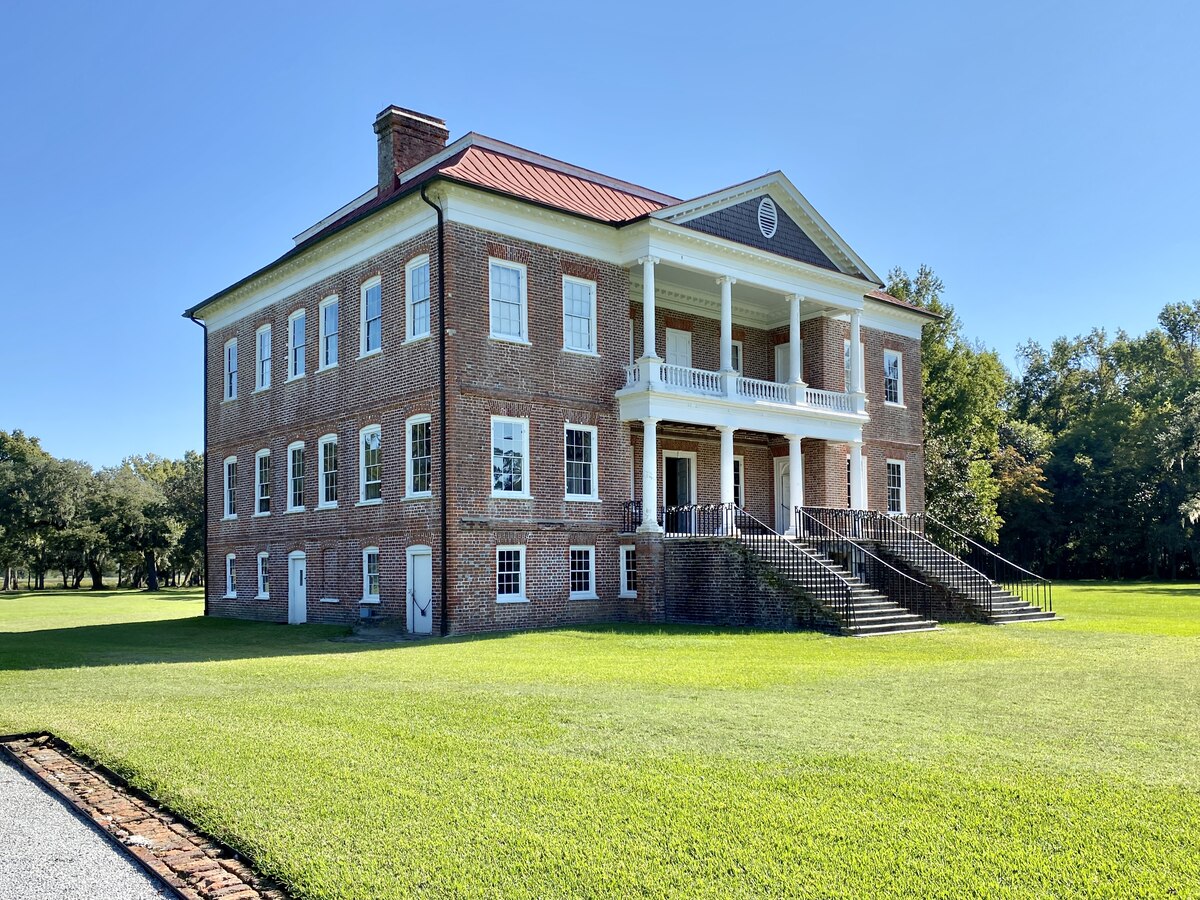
x=1085 y=463
x=134 y=522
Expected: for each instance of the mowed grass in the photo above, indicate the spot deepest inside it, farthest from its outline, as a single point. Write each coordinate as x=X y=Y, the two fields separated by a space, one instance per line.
x=1047 y=760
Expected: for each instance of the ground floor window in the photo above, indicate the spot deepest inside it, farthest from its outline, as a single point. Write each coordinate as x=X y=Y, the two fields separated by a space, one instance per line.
x=629 y=571
x=510 y=574
x=263 y=592
x=583 y=573
x=895 y=486
x=371 y=575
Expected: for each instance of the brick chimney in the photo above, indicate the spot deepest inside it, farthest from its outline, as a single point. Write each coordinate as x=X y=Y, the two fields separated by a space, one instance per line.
x=405 y=139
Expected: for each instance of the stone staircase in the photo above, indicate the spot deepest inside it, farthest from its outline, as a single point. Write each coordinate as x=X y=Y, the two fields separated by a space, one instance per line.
x=943 y=568
x=871 y=613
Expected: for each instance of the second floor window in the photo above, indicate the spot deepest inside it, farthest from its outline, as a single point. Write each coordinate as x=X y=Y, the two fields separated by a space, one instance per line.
x=510 y=457
x=328 y=475
x=579 y=315
x=262 y=357
x=417 y=280
x=372 y=317
x=231 y=487
x=893 y=377
x=371 y=464
x=296 y=477
x=580 y=456
x=262 y=483
x=420 y=456
x=329 y=332
x=895 y=486
x=231 y=369
x=507 y=291
x=296 y=341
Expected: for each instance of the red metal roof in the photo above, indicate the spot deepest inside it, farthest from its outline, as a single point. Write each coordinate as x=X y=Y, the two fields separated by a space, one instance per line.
x=574 y=193
x=888 y=298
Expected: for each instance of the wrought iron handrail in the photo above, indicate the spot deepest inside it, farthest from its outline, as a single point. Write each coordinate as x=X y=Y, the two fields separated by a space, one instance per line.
x=933 y=560
x=899 y=587
x=1018 y=581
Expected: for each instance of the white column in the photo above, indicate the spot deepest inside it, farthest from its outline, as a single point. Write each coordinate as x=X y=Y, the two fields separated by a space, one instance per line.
x=649 y=476
x=795 y=368
x=726 y=463
x=649 y=341
x=795 y=479
x=856 y=363
x=858 y=487
x=728 y=375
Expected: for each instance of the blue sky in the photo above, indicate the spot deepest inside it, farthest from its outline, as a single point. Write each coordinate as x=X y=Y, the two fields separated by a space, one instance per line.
x=1042 y=157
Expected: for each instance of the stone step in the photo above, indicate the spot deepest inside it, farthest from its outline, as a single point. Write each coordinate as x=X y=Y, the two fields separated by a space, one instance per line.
x=893 y=628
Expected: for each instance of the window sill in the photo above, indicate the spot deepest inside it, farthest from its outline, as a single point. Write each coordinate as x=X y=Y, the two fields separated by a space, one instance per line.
x=504 y=339
x=327 y=368
x=229 y=597
x=499 y=495
x=260 y=515
x=591 y=595
x=572 y=498
x=329 y=600
x=573 y=352
x=232 y=518
x=262 y=596
x=294 y=509
x=424 y=495
x=627 y=595
x=416 y=339
x=370 y=353
x=229 y=400
x=327 y=505
x=369 y=502
x=292 y=378
x=260 y=390
x=370 y=601
x=512 y=599
x=894 y=405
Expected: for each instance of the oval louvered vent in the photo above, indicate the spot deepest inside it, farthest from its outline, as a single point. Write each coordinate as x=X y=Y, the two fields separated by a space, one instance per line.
x=768 y=217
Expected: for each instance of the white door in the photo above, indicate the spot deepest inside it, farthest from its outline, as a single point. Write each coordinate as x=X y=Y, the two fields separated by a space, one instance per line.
x=420 y=590
x=679 y=348
x=297 y=589
x=783 y=493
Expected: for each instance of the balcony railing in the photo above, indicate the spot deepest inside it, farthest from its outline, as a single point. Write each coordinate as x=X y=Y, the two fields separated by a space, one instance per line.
x=705 y=383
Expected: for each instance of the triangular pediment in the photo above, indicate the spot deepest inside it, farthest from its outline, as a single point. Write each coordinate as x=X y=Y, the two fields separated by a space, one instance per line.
x=769 y=214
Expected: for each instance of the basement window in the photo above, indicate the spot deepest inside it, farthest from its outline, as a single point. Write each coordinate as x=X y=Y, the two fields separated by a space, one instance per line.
x=628 y=571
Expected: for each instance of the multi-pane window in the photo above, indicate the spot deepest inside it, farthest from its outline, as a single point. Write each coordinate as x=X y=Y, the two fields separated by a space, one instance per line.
x=296 y=343
x=579 y=315
x=735 y=350
x=895 y=486
x=510 y=574
x=372 y=317
x=628 y=570
x=416 y=279
x=582 y=573
x=262 y=482
x=507 y=293
x=370 y=444
x=420 y=456
x=296 y=476
x=739 y=498
x=328 y=328
x=327 y=474
x=893 y=372
x=231 y=369
x=510 y=457
x=231 y=575
x=263 y=586
x=371 y=575
x=262 y=358
x=580 y=455
x=231 y=487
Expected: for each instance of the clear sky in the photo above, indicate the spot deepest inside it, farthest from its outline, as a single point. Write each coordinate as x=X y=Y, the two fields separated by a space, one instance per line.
x=1042 y=157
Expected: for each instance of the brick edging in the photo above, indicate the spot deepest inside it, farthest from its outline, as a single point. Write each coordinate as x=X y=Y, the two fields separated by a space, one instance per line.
x=194 y=865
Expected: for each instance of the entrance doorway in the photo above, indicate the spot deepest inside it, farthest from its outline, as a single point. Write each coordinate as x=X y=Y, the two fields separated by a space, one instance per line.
x=679 y=490
x=419 y=616
x=297 y=588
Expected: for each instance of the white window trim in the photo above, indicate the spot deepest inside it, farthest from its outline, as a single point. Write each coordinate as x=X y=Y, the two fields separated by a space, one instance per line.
x=510 y=598
x=291 y=372
x=740 y=368
x=512 y=495
x=409 y=493
x=594 y=496
x=331 y=300
x=230 y=372
x=903 y=486
x=523 y=338
x=230 y=576
x=589 y=594
x=366 y=597
x=363 y=353
x=295 y=445
x=626 y=592
x=260 y=594
x=362 y=466
x=740 y=460
x=899 y=401
x=265 y=452
x=415 y=263
x=571 y=279
x=261 y=383
x=321 y=442
x=227 y=489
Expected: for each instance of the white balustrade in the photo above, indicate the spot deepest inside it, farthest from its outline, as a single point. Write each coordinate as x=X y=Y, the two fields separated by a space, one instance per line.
x=693 y=381
x=685 y=380
x=633 y=374
x=835 y=401
x=757 y=389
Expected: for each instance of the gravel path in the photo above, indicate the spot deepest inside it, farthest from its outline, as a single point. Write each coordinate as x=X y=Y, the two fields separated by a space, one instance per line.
x=46 y=853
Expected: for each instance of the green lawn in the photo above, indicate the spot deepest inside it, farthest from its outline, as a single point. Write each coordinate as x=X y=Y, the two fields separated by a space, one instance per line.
x=1047 y=760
